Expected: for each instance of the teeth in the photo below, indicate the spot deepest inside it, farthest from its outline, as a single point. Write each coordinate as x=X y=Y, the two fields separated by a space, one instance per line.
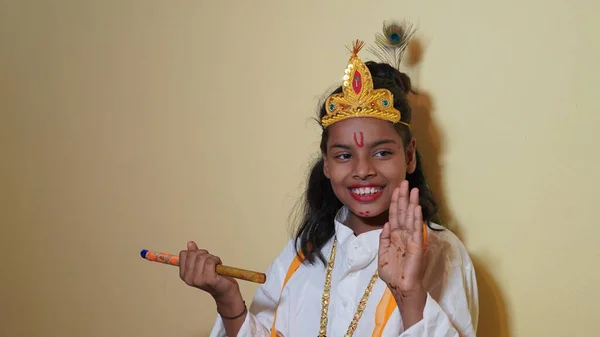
x=366 y=190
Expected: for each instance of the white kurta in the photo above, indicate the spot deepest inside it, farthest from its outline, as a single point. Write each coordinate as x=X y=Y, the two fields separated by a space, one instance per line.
x=451 y=309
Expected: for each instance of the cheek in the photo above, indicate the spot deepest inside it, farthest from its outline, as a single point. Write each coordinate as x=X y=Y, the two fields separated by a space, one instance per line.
x=394 y=170
x=337 y=172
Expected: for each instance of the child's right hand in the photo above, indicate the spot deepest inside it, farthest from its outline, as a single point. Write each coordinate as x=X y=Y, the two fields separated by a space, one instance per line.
x=197 y=268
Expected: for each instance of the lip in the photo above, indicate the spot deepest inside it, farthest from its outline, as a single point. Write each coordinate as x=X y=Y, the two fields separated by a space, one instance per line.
x=366 y=198
x=366 y=185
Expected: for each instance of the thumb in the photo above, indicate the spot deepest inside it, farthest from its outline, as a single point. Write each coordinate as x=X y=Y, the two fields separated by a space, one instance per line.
x=191 y=245
x=384 y=237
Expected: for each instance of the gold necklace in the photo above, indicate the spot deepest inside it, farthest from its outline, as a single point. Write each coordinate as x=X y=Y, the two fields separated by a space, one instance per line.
x=326 y=292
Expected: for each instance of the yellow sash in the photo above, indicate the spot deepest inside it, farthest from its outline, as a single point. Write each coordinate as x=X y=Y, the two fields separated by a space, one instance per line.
x=385 y=308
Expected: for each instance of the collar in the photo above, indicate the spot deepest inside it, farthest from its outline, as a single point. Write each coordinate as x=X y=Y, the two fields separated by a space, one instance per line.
x=359 y=250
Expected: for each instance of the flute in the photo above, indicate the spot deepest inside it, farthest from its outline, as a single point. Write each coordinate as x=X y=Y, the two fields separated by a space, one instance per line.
x=173 y=260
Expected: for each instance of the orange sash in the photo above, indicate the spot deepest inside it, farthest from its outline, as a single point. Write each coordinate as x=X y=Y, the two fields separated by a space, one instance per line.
x=385 y=308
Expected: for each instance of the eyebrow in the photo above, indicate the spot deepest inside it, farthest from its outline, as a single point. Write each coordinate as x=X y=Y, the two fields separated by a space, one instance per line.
x=383 y=141
x=372 y=145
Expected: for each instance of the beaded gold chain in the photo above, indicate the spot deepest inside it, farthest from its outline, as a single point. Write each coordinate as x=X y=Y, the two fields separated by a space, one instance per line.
x=326 y=293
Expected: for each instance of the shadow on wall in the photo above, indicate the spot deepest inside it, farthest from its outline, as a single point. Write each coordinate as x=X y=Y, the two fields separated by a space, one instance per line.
x=493 y=320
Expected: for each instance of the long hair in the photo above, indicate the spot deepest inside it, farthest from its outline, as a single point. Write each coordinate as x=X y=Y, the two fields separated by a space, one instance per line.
x=320 y=202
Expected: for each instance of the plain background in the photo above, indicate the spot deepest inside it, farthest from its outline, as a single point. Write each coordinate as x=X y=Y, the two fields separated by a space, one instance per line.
x=144 y=124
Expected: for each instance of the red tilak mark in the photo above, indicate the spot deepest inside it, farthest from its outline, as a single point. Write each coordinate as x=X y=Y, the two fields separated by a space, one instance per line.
x=362 y=140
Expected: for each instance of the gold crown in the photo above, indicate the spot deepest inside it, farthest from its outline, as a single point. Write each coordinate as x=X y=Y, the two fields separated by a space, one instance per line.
x=358 y=98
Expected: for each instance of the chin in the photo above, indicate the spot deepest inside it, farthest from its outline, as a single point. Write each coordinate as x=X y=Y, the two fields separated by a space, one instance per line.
x=369 y=210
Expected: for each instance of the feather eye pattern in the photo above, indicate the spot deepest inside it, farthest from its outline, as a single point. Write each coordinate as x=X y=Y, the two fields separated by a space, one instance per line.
x=391 y=43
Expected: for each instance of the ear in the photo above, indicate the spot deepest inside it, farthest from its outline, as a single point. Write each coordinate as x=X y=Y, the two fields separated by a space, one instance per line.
x=325 y=166
x=411 y=156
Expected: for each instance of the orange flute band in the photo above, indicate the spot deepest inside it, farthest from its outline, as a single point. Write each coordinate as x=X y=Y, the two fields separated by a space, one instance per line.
x=242 y=274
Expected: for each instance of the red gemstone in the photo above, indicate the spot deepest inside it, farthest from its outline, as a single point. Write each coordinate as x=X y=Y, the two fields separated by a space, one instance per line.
x=357 y=82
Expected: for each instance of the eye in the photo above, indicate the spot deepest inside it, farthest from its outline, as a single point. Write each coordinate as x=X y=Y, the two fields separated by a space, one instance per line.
x=383 y=153
x=343 y=156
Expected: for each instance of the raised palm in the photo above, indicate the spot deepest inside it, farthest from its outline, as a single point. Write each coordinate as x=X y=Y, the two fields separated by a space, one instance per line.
x=401 y=247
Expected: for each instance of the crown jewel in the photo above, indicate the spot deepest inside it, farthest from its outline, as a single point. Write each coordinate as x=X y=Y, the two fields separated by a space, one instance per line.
x=358 y=98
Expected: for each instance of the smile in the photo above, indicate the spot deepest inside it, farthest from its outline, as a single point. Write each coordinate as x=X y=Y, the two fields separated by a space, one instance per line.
x=366 y=193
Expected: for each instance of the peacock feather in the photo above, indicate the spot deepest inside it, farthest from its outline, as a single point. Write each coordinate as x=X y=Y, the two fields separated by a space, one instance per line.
x=391 y=43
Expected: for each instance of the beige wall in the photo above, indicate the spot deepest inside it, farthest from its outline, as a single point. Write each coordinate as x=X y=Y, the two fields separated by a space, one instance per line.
x=143 y=124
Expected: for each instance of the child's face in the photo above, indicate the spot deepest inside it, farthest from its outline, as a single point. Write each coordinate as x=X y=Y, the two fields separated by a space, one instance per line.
x=365 y=162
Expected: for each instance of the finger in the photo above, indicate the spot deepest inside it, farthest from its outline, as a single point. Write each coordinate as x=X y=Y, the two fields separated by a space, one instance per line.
x=410 y=215
x=191 y=267
x=188 y=267
x=182 y=259
x=394 y=209
x=414 y=196
x=190 y=260
x=191 y=245
x=403 y=204
x=418 y=224
x=197 y=276
x=210 y=269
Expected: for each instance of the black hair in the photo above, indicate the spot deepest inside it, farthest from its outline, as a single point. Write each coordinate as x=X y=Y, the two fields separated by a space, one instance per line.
x=320 y=202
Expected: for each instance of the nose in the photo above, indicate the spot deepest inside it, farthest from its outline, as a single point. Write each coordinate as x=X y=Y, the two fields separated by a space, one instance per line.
x=364 y=168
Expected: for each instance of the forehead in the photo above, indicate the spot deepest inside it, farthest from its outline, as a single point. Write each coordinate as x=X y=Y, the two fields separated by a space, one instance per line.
x=370 y=128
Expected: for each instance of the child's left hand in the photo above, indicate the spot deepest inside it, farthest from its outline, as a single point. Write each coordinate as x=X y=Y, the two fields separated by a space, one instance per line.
x=401 y=247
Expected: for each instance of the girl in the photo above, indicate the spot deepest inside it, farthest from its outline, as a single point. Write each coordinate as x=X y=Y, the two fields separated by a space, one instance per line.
x=367 y=259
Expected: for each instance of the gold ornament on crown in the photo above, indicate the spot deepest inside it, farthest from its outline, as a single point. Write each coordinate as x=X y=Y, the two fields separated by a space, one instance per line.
x=358 y=98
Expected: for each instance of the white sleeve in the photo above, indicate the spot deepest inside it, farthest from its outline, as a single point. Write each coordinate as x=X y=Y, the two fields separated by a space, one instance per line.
x=260 y=315
x=455 y=313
